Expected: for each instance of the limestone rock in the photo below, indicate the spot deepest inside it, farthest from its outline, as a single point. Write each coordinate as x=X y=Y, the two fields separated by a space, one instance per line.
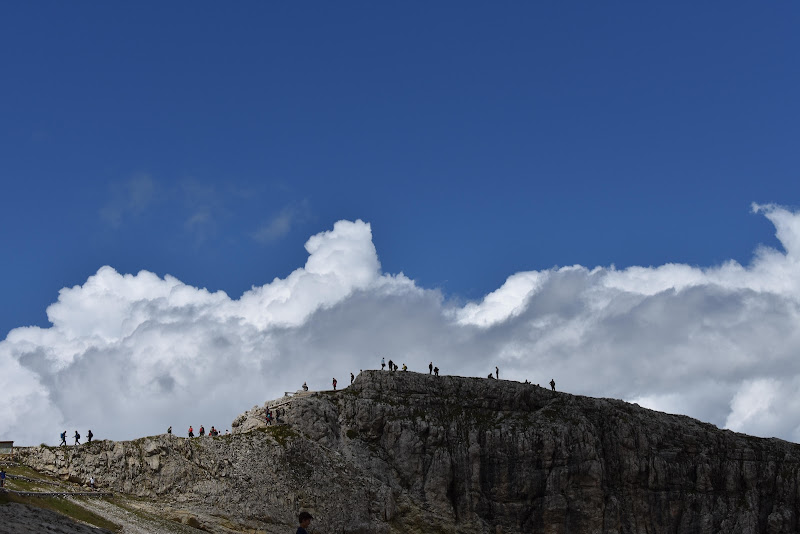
x=407 y=452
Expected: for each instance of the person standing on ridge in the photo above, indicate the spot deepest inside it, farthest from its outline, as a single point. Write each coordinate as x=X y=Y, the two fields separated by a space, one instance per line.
x=405 y=368
x=89 y=436
x=552 y=384
x=430 y=368
x=497 y=372
x=334 y=384
x=383 y=364
x=436 y=371
x=352 y=378
x=202 y=431
x=305 y=520
x=77 y=438
x=391 y=365
x=63 y=438
x=191 y=431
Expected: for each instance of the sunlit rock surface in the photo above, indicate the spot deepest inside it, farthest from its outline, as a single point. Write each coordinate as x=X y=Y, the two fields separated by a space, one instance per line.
x=408 y=452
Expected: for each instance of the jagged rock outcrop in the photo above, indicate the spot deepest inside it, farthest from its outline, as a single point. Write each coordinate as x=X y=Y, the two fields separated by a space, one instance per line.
x=407 y=452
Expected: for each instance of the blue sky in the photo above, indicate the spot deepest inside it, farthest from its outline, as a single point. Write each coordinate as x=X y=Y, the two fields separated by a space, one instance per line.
x=209 y=142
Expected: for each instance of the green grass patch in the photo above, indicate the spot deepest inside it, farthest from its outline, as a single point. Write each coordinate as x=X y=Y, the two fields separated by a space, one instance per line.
x=25 y=471
x=23 y=485
x=281 y=433
x=63 y=507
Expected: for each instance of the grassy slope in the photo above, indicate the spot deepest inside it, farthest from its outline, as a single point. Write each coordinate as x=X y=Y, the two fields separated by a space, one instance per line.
x=55 y=504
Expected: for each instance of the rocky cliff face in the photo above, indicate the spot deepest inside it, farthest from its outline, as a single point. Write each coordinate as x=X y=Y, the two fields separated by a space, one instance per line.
x=406 y=452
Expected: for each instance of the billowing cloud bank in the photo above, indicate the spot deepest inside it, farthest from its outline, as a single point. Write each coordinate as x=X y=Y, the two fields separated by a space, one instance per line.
x=128 y=355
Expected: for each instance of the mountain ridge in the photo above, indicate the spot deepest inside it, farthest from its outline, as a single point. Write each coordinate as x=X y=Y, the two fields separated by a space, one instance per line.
x=410 y=452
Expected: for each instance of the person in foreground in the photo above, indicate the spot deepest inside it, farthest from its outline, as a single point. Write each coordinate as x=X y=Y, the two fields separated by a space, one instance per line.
x=305 y=520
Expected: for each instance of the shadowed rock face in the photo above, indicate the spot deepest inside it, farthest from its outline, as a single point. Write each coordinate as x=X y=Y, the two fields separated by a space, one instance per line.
x=407 y=452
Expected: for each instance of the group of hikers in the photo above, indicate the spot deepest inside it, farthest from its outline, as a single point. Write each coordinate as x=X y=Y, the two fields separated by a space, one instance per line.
x=393 y=367
x=270 y=417
x=213 y=432
x=497 y=376
x=77 y=437
x=432 y=370
x=335 y=383
x=435 y=371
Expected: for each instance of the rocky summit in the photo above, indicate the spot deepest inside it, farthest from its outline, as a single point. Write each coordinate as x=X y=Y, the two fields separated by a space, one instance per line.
x=400 y=452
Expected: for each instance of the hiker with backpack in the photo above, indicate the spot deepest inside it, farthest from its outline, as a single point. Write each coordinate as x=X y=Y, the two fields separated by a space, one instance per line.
x=77 y=438
x=89 y=436
x=63 y=438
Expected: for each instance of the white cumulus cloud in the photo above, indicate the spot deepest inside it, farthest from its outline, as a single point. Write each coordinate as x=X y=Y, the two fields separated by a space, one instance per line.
x=128 y=355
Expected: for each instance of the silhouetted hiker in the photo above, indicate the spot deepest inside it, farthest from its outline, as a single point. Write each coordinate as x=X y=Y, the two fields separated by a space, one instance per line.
x=383 y=364
x=490 y=376
x=202 y=431
x=436 y=371
x=191 y=431
x=497 y=372
x=77 y=438
x=63 y=438
x=305 y=386
x=334 y=384
x=169 y=430
x=305 y=520
x=430 y=368
x=391 y=365
x=89 y=436
x=552 y=384
x=352 y=378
